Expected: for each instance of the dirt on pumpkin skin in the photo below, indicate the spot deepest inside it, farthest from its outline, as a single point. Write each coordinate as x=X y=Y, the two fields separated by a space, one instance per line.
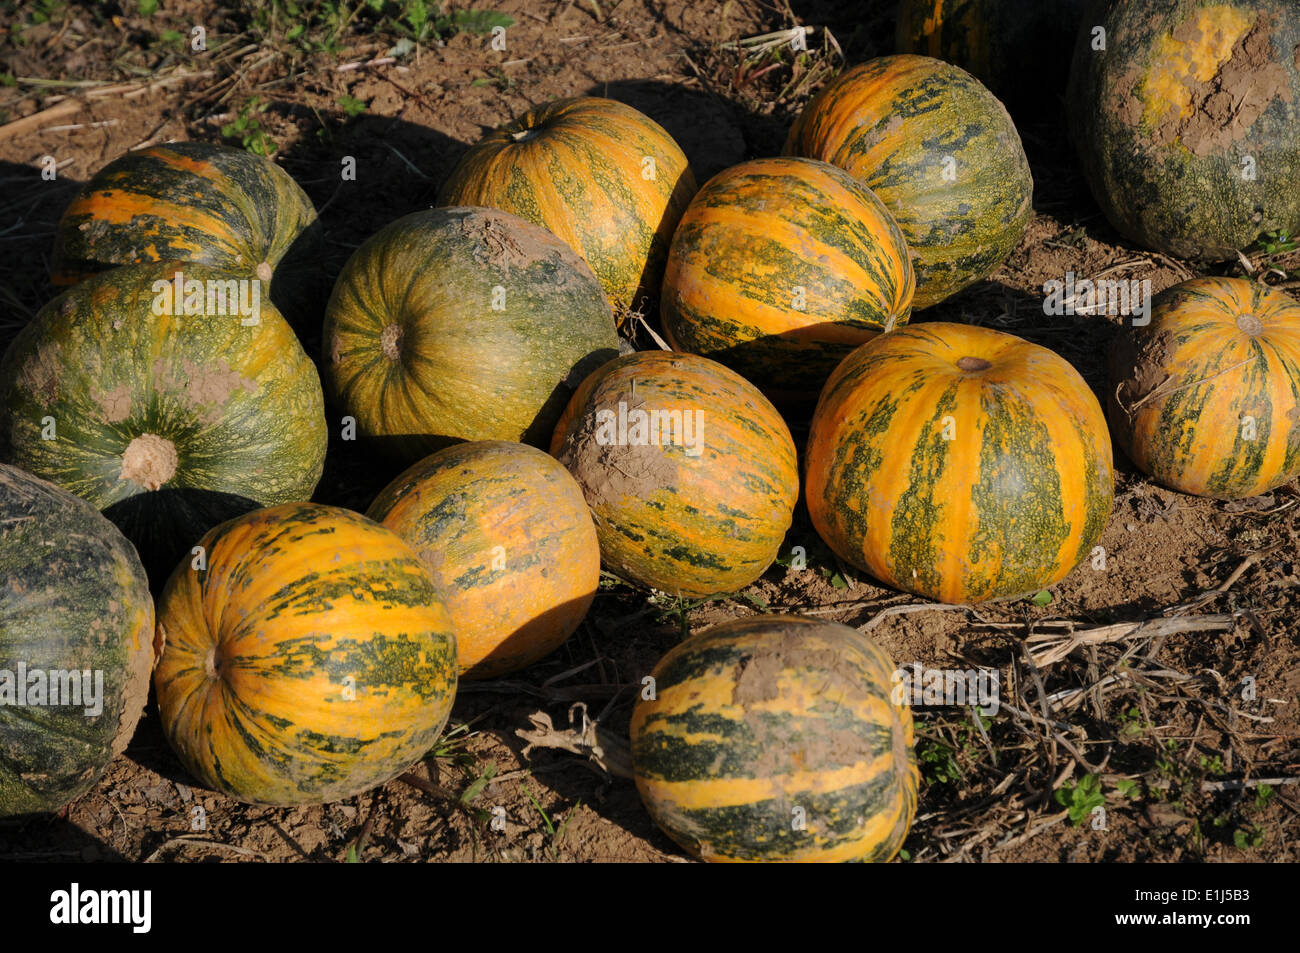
x=1224 y=106
x=1165 y=714
x=610 y=473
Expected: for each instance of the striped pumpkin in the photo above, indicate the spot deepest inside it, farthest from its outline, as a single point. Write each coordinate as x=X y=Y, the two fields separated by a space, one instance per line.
x=1185 y=124
x=942 y=154
x=959 y=463
x=170 y=423
x=780 y=267
x=308 y=660
x=506 y=535
x=75 y=615
x=459 y=324
x=602 y=176
x=689 y=471
x=777 y=738
x=1206 y=398
x=192 y=201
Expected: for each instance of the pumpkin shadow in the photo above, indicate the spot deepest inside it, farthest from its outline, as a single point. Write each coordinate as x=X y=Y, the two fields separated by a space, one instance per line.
x=49 y=838
x=165 y=524
x=28 y=227
x=1081 y=339
x=361 y=175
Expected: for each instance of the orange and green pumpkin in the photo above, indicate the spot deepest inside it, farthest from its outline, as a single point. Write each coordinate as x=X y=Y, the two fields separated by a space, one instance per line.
x=168 y=422
x=777 y=738
x=942 y=154
x=1185 y=123
x=959 y=463
x=689 y=471
x=76 y=644
x=506 y=535
x=780 y=267
x=1206 y=398
x=307 y=659
x=462 y=324
x=193 y=201
x=602 y=176
x=1019 y=49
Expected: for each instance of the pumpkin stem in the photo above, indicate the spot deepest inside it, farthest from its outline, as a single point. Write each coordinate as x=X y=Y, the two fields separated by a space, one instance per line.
x=523 y=135
x=972 y=364
x=1249 y=324
x=390 y=341
x=212 y=664
x=149 y=461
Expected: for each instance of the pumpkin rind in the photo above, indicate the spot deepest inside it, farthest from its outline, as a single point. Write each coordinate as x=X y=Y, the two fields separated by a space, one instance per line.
x=942 y=154
x=779 y=268
x=702 y=511
x=506 y=536
x=230 y=415
x=310 y=661
x=1019 y=49
x=1186 y=123
x=1206 y=398
x=196 y=202
x=73 y=598
x=756 y=717
x=959 y=484
x=605 y=178
x=462 y=324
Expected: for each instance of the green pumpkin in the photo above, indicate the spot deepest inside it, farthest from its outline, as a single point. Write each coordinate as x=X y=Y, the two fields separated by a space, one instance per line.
x=74 y=601
x=169 y=423
x=462 y=324
x=1186 y=123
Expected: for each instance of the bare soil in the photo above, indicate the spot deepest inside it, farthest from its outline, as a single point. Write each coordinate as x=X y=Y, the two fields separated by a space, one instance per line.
x=1172 y=722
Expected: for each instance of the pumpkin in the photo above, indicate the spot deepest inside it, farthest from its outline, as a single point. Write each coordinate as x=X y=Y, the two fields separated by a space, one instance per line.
x=942 y=154
x=1019 y=49
x=76 y=644
x=306 y=659
x=602 y=176
x=959 y=463
x=462 y=324
x=1185 y=123
x=689 y=471
x=168 y=422
x=780 y=267
x=777 y=738
x=197 y=202
x=1206 y=398
x=506 y=535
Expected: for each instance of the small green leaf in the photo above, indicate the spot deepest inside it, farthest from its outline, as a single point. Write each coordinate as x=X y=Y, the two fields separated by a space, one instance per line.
x=1041 y=598
x=480 y=21
x=475 y=789
x=838 y=582
x=350 y=105
x=352 y=857
x=1129 y=789
x=147 y=8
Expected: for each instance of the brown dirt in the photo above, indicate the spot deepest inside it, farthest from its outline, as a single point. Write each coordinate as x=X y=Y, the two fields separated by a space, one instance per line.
x=1166 y=714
